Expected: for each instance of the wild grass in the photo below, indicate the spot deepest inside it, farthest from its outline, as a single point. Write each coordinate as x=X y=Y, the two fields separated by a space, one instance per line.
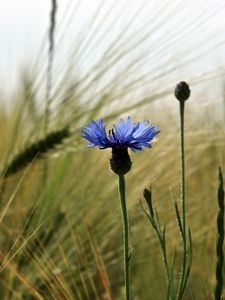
x=62 y=239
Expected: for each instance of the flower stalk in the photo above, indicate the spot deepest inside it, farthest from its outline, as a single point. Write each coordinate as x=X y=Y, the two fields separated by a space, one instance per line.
x=183 y=195
x=127 y=254
x=174 y=292
x=220 y=239
x=182 y=93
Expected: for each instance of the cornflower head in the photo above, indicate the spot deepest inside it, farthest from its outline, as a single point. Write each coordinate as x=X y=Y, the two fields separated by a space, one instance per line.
x=122 y=136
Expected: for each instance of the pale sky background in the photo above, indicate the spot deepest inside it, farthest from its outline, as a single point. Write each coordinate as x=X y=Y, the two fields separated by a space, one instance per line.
x=24 y=23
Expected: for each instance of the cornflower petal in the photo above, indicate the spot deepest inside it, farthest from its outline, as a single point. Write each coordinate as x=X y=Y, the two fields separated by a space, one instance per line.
x=124 y=134
x=95 y=133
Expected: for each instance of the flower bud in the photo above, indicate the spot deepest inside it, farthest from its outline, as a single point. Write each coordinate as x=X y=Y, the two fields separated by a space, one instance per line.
x=148 y=197
x=182 y=91
x=120 y=162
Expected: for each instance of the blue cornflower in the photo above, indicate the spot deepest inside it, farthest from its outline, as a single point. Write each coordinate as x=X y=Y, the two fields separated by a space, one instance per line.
x=125 y=134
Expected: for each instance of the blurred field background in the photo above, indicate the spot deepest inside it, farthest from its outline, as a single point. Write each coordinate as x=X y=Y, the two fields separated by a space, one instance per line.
x=61 y=231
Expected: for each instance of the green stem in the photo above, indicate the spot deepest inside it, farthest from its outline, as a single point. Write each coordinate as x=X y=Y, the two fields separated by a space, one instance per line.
x=220 y=239
x=125 y=235
x=183 y=201
x=169 y=273
x=183 y=185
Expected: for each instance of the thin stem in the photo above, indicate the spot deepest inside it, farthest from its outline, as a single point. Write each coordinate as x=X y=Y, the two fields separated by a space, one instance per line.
x=161 y=235
x=169 y=273
x=220 y=239
x=125 y=235
x=183 y=200
x=183 y=185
